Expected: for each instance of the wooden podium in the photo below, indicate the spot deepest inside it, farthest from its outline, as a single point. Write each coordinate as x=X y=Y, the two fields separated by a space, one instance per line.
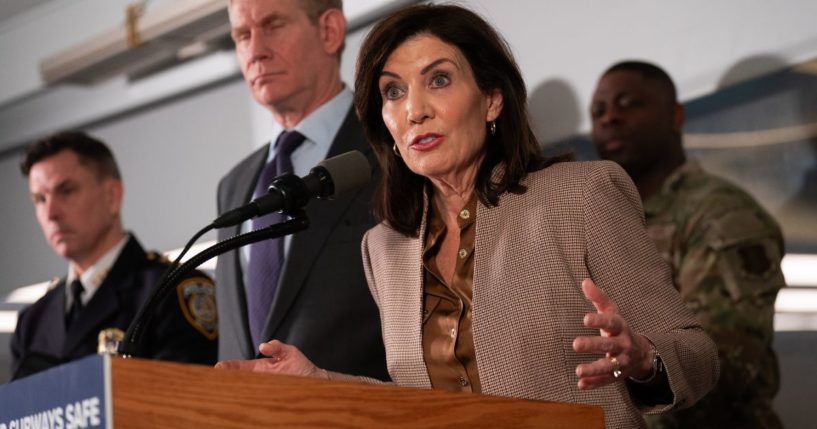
x=151 y=394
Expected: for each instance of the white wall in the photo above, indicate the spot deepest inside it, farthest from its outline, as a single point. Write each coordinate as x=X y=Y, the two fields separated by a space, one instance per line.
x=44 y=30
x=171 y=156
x=562 y=46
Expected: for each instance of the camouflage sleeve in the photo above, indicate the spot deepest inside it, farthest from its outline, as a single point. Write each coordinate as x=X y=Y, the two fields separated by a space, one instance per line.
x=729 y=275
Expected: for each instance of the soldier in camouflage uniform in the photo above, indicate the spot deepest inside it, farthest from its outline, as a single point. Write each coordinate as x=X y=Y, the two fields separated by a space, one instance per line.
x=724 y=249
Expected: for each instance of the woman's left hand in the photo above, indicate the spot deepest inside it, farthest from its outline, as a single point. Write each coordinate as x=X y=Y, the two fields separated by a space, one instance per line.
x=627 y=354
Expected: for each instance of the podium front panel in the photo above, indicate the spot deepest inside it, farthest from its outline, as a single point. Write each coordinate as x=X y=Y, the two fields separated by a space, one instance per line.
x=70 y=396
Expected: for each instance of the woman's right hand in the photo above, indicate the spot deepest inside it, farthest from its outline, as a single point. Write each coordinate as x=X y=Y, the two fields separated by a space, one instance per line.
x=279 y=358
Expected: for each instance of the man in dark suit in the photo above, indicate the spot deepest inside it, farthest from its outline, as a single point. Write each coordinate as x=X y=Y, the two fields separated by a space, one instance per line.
x=77 y=193
x=317 y=297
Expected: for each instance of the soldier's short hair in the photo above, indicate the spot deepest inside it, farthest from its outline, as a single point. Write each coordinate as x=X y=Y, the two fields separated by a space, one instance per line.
x=90 y=151
x=647 y=71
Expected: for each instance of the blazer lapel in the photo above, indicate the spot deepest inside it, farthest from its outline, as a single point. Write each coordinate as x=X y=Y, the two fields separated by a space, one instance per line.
x=409 y=317
x=397 y=284
x=323 y=217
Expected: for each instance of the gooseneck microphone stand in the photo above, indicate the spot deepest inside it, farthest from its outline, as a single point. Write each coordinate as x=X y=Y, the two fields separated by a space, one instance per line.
x=288 y=194
x=132 y=342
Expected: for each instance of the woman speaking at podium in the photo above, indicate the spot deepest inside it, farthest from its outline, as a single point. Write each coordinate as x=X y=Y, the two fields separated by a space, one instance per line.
x=497 y=270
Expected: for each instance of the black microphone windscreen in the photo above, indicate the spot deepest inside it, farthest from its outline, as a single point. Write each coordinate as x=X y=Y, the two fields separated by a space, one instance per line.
x=349 y=170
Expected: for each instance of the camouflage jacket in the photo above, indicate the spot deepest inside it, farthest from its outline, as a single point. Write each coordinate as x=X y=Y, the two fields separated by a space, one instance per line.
x=725 y=252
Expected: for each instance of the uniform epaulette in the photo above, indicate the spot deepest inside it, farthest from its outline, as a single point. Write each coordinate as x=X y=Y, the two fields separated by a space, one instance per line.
x=153 y=255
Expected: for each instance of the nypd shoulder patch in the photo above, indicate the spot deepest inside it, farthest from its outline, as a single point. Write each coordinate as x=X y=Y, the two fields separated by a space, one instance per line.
x=197 y=299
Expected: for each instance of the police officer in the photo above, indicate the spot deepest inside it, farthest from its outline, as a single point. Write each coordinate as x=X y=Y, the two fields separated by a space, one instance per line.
x=77 y=191
x=724 y=249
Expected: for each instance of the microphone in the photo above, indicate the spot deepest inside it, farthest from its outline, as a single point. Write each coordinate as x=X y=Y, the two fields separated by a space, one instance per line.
x=289 y=192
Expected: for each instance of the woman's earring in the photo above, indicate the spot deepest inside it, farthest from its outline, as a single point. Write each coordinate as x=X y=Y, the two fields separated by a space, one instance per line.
x=396 y=152
x=493 y=128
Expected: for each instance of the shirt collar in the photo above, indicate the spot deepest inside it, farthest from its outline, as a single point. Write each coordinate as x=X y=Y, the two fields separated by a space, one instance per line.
x=690 y=166
x=93 y=277
x=436 y=224
x=320 y=126
x=658 y=202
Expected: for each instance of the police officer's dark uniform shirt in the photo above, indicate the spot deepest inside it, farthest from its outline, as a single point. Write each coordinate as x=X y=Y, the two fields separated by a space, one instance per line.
x=184 y=329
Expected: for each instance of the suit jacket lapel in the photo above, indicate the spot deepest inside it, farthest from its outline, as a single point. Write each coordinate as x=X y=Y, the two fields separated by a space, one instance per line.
x=245 y=180
x=306 y=245
x=105 y=302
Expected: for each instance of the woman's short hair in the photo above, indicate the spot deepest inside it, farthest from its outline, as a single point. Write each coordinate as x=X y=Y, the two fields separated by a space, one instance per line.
x=399 y=198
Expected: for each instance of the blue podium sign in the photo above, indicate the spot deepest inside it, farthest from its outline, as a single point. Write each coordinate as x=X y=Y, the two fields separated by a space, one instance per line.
x=71 y=396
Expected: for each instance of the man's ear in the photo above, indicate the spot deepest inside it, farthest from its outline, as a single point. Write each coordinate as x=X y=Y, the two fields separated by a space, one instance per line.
x=332 y=27
x=114 y=192
x=495 y=101
x=678 y=117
